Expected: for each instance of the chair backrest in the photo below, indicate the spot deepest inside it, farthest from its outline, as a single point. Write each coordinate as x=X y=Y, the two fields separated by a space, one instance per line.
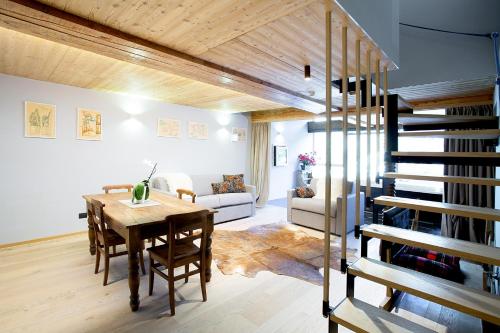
x=181 y=191
x=127 y=187
x=181 y=223
x=97 y=211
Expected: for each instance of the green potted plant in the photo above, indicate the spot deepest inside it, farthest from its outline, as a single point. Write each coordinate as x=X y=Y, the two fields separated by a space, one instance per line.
x=140 y=192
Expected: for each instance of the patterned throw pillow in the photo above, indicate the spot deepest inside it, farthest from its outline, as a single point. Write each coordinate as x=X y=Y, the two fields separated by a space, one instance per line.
x=232 y=177
x=222 y=187
x=238 y=184
x=304 y=192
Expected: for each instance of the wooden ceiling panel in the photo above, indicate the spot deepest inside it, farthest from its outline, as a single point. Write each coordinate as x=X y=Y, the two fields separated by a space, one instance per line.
x=191 y=26
x=39 y=59
x=257 y=48
x=278 y=51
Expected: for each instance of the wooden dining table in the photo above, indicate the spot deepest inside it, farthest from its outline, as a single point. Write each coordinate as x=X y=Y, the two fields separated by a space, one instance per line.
x=138 y=224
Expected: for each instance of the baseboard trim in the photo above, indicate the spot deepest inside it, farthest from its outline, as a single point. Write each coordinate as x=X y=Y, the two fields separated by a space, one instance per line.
x=42 y=239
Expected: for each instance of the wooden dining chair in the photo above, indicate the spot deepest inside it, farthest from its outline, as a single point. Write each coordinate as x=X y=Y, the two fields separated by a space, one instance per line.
x=105 y=239
x=181 y=191
x=181 y=252
x=108 y=188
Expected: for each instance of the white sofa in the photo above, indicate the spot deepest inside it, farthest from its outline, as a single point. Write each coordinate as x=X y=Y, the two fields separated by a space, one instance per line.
x=229 y=206
x=310 y=212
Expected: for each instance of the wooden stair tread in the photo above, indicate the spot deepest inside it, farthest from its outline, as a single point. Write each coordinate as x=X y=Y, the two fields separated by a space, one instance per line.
x=474 y=302
x=485 y=134
x=446 y=154
x=476 y=252
x=440 y=207
x=359 y=316
x=446 y=179
x=448 y=158
x=425 y=119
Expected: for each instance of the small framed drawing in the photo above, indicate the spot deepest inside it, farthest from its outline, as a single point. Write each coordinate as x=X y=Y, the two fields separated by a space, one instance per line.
x=89 y=125
x=197 y=130
x=239 y=134
x=169 y=128
x=280 y=155
x=39 y=120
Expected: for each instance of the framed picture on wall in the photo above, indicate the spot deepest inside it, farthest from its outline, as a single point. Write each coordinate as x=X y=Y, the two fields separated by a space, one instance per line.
x=89 y=126
x=197 y=130
x=280 y=155
x=169 y=128
x=39 y=120
x=239 y=134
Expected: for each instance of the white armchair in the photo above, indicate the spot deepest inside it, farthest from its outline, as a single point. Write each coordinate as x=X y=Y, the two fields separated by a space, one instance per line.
x=310 y=212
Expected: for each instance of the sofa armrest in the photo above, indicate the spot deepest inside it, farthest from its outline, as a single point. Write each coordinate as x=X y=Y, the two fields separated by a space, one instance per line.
x=351 y=212
x=290 y=194
x=251 y=189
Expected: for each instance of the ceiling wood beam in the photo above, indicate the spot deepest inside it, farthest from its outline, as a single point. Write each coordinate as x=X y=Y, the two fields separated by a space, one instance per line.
x=285 y=114
x=34 y=18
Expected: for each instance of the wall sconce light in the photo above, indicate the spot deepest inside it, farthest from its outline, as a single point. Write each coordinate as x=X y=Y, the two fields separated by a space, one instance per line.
x=307 y=72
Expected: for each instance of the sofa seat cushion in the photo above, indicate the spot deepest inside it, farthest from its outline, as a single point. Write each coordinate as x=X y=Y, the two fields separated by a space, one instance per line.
x=209 y=201
x=315 y=205
x=232 y=199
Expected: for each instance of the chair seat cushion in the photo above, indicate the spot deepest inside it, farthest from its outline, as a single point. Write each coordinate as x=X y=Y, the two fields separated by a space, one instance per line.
x=315 y=205
x=112 y=238
x=232 y=199
x=182 y=251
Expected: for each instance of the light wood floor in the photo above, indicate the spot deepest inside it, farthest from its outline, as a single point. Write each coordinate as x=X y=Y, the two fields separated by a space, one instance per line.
x=51 y=287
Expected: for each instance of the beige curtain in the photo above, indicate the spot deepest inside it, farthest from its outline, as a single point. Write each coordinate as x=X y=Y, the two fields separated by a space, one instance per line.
x=260 y=160
x=474 y=230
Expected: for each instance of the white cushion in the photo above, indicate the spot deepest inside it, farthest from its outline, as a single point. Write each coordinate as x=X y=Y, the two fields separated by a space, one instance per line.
x=202 y=184
x=174 y=181
x=209 y=201
x=231 y=199
x=318 y=186
x=315 y=205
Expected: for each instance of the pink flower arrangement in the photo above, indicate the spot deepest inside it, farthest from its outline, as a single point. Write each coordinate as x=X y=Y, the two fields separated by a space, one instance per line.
x=307 y=159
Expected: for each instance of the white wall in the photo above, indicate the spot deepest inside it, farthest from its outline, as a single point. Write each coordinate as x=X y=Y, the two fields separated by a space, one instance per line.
x=294 y=135
x=428 y=57
x=380 y=19
x=43 y=179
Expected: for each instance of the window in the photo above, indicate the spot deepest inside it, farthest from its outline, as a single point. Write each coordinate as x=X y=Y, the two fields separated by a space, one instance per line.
x=405 y=144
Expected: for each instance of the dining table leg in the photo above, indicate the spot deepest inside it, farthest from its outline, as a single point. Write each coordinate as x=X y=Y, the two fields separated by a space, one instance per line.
x=91 y=232
x=208 y=254
x=133 y=247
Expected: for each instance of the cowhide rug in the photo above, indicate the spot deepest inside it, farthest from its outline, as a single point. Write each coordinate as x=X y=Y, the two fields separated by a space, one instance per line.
x=279 y=248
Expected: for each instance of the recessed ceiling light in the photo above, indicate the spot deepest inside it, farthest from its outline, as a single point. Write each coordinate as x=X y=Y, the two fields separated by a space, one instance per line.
x=225 y=80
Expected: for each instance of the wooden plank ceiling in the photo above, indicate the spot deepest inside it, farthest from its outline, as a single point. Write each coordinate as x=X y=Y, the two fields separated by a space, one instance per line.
x=223 y=55
x=39 y=59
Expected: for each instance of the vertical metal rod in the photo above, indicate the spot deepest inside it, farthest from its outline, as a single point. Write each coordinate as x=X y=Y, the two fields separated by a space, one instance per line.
x=377 y=114
x=328 y=165
x=345 y=167
x=358 y=140
x=368 y=123
x=386 y=107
